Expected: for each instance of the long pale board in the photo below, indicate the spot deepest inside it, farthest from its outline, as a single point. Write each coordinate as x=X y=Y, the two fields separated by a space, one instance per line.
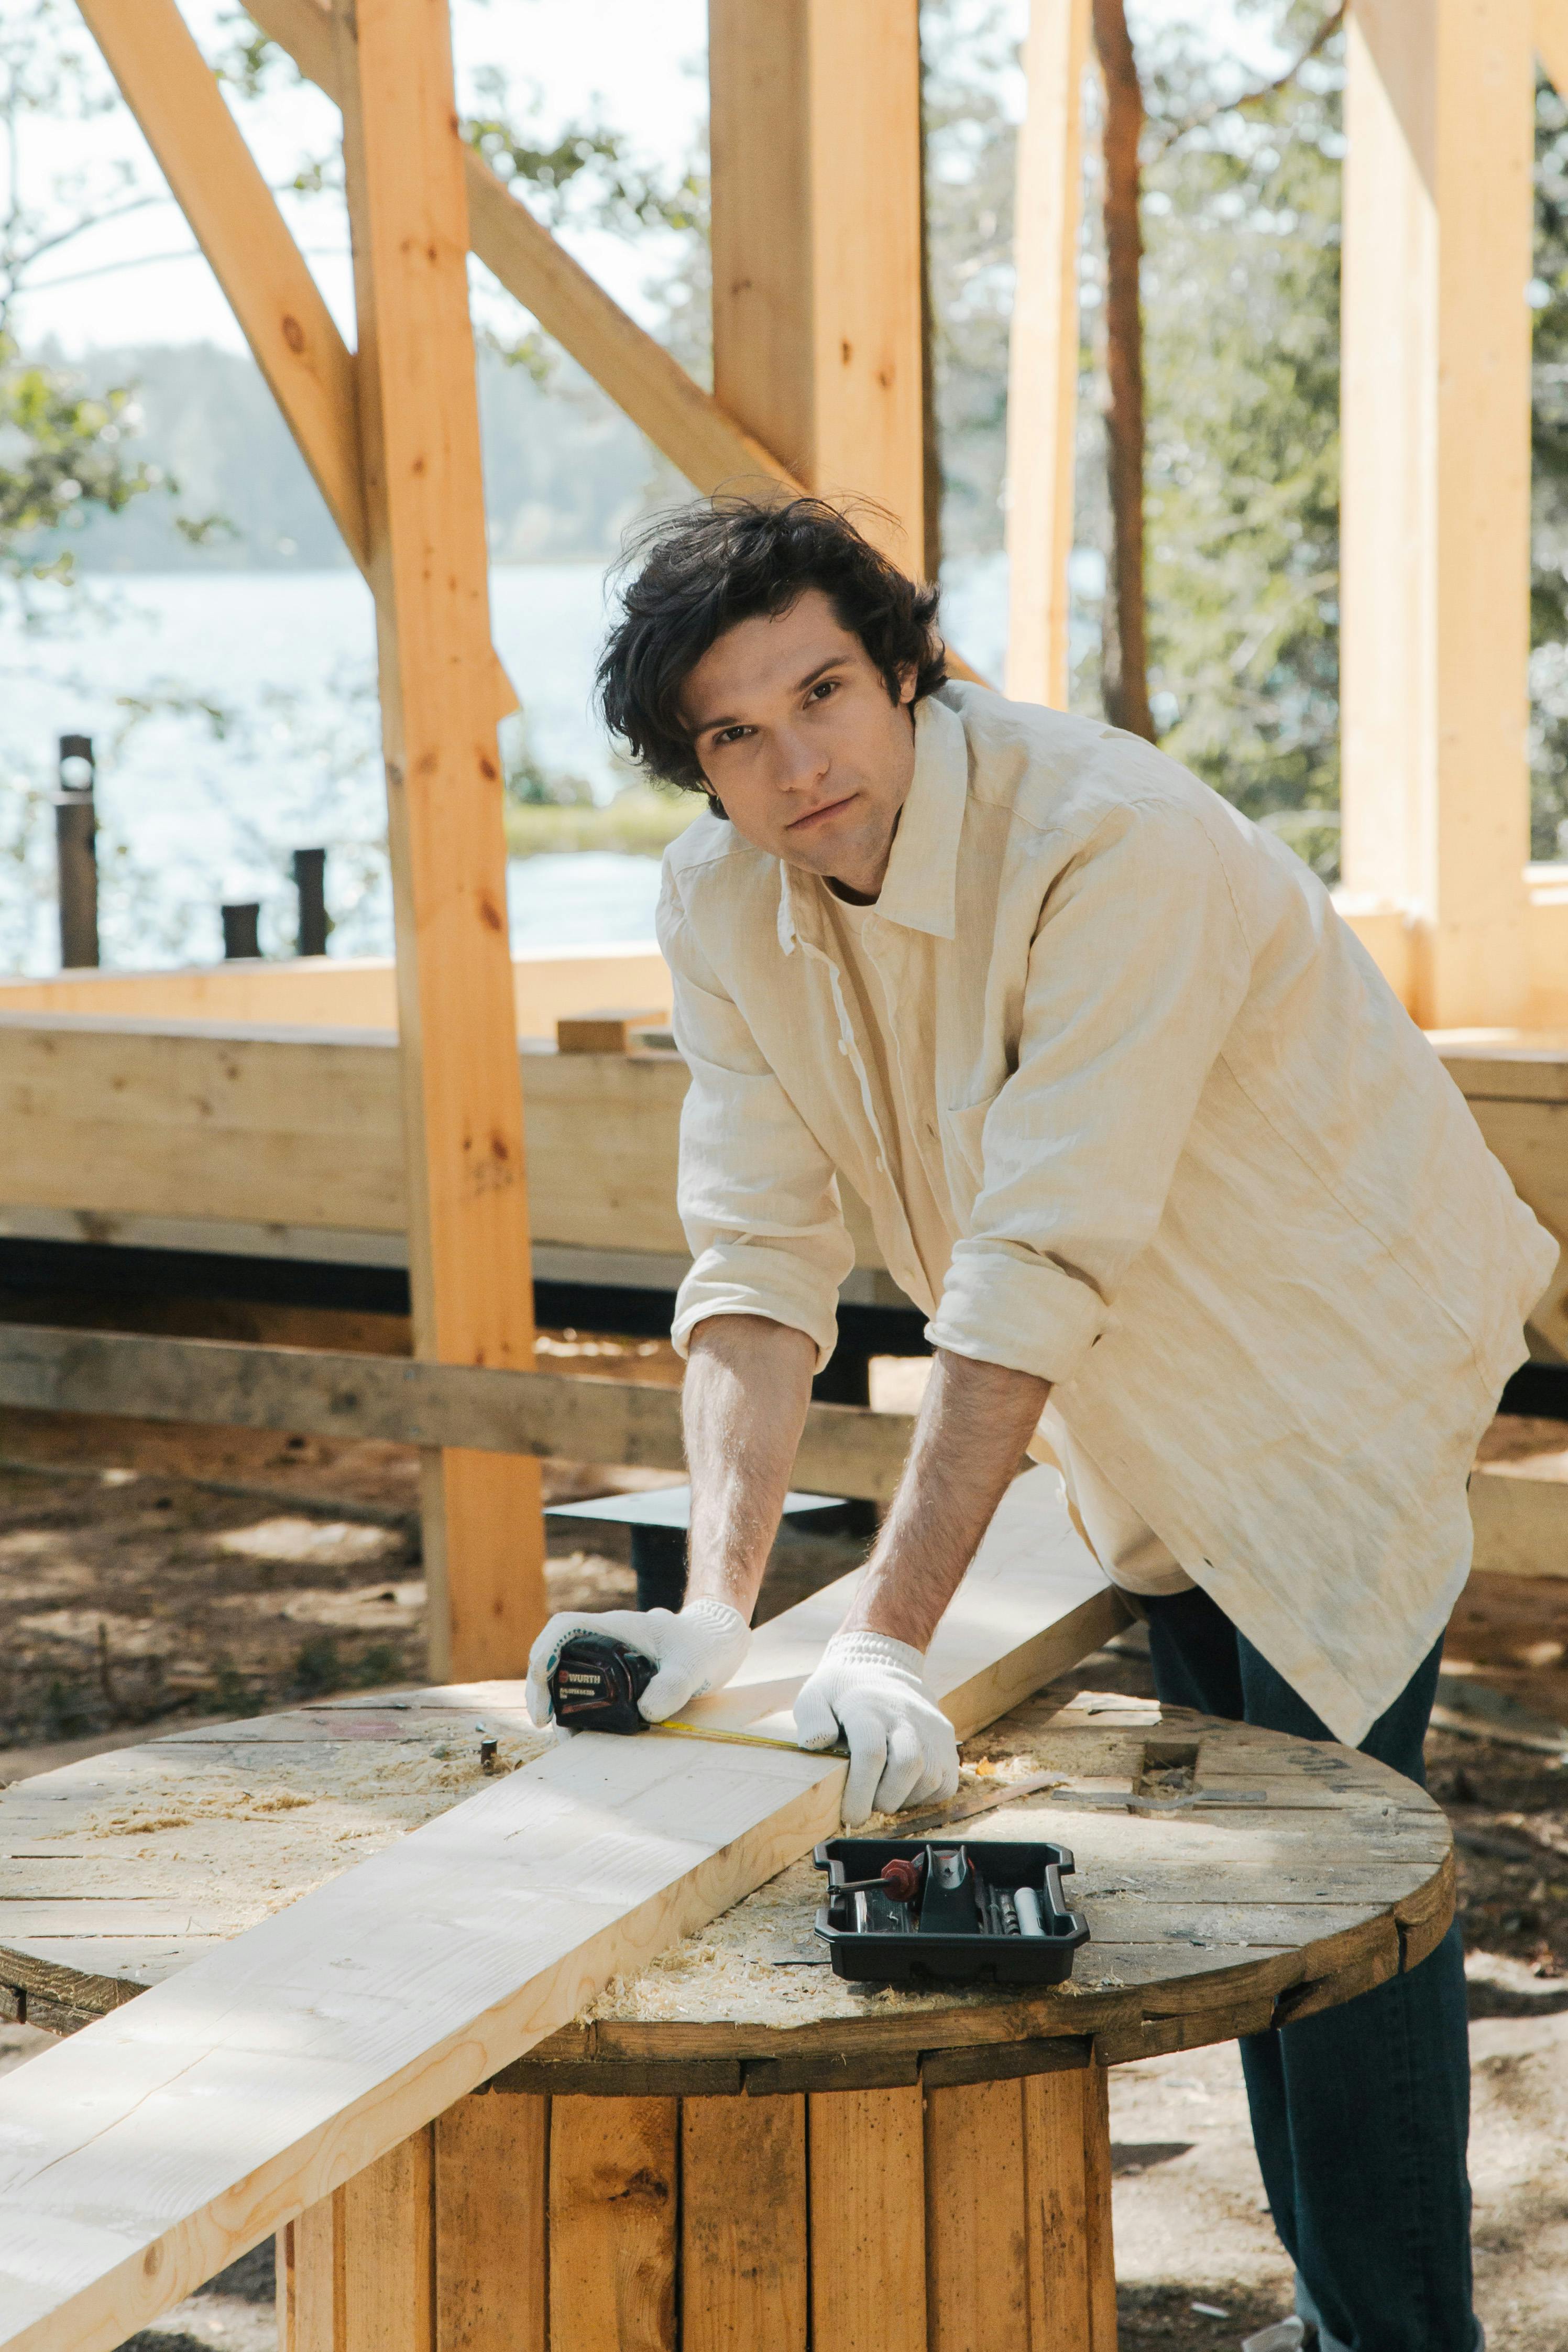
x=160 y=2143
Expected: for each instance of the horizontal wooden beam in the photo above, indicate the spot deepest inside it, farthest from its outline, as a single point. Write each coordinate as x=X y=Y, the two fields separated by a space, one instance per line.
x=301 y=1390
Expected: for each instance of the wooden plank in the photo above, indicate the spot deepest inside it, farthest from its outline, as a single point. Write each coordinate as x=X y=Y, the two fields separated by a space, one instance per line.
x=385 y=2284
x=1436 y=528
x=846 y=1450
x=614 y=2183
x=868 y=2220
x=491 y=2166
x=140 y=2157
x=1042 y=362
x=976 y=2223
x=469 y=1269
x=307 y=2279
x=815 y=124
x=1069 y=2220
x=744 y=2263
x=343 y=992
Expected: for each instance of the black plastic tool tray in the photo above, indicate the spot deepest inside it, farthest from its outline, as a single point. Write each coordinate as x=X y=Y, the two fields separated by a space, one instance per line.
x=963 y=1958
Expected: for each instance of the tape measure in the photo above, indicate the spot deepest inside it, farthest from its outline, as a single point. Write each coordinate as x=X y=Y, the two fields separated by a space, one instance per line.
x=598 y=1682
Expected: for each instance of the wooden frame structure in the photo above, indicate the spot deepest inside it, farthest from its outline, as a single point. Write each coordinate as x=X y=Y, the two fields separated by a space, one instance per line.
x=1436 y=533
x=818 y=351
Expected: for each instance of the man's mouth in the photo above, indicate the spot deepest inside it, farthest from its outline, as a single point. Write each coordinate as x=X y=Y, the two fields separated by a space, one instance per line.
x=815 y=816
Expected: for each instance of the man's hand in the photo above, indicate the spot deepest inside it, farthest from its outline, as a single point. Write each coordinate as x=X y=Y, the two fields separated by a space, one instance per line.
x=903 y=1750
x=694 y=1652
x=975 y=1421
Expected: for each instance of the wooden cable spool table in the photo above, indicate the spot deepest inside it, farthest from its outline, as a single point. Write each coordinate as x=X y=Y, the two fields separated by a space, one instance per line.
x=737 y=2151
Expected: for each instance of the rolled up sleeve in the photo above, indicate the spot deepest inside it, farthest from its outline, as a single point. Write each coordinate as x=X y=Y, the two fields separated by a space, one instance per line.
x=757 y=1193
x=1136 y=972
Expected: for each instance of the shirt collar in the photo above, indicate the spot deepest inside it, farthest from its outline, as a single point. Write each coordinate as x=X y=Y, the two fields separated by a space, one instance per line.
x=920 y=888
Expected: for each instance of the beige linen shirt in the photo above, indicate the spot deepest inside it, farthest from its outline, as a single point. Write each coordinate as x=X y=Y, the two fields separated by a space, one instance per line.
x=1206 y=1177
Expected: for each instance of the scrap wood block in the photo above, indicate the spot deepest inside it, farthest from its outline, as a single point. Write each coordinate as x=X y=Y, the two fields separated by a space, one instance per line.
x=609 y=1031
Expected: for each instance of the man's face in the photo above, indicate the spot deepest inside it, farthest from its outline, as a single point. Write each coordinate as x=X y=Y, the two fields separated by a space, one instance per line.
x=795 y=732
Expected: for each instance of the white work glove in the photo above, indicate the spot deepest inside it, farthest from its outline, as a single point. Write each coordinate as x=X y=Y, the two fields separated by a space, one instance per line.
x=694 y=1652
x=903 y=1750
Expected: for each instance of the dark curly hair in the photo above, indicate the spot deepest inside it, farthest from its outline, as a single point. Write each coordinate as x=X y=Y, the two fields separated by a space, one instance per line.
x=730 y=559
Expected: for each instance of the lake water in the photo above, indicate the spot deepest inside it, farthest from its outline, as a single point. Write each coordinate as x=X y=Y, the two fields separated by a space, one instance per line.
x=235 y=720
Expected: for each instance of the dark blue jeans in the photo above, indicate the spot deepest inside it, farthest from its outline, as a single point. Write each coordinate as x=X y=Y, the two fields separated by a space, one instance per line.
x=1360 y=2115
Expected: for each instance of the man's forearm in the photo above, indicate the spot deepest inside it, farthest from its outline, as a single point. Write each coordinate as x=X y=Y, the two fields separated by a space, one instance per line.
x=975 y=1423
x=748 y=1384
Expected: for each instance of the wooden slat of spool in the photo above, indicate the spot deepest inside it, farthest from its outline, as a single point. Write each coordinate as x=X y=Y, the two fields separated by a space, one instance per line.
x=491 y=2168
x=307 y=2280
x=1067 y=2159
x=976 y=2219
x=868 y=2220
x=744 y=2253
x=383 y=2301
x=613 y=2191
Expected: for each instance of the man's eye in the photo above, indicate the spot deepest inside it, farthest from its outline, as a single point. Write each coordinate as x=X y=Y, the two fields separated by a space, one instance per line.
x=823 y=688
x=732 y=734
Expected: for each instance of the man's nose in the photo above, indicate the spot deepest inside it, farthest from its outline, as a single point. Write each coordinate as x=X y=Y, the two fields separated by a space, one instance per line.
x=802 y=763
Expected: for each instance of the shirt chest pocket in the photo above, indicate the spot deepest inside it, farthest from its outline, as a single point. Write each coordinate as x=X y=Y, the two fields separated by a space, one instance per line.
x=963 y=1150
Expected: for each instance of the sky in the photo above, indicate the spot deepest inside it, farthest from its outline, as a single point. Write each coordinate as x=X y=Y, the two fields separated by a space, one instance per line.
x=636 y=66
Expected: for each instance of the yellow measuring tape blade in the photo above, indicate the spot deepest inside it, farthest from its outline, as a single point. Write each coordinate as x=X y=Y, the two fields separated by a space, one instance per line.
x=744 y=1739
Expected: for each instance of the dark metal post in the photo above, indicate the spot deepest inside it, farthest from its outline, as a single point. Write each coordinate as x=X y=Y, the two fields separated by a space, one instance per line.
x=76 y=830
x=311 y=881
x=240 y=942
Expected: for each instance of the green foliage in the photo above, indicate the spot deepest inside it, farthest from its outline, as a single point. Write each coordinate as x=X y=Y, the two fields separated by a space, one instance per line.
x=62 y=457
x=1241 y=308
x=640 y=822
x=1549 y=571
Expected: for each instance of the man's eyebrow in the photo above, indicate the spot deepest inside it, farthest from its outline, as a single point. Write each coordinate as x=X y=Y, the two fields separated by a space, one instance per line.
x=802 y=685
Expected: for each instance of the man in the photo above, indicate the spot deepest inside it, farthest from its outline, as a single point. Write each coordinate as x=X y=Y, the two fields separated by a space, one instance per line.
x=1183 y=1192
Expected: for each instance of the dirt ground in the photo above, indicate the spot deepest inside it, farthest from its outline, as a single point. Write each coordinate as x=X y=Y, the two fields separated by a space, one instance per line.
x=132 y=1597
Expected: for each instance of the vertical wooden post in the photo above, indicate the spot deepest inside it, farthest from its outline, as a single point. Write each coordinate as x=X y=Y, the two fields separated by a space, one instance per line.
x=1042 y=364
x=1435 y=555
x=815 y=144
x=463 y=1122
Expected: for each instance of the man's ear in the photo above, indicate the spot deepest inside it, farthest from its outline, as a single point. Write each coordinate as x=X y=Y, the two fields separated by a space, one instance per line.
x=908 y=678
